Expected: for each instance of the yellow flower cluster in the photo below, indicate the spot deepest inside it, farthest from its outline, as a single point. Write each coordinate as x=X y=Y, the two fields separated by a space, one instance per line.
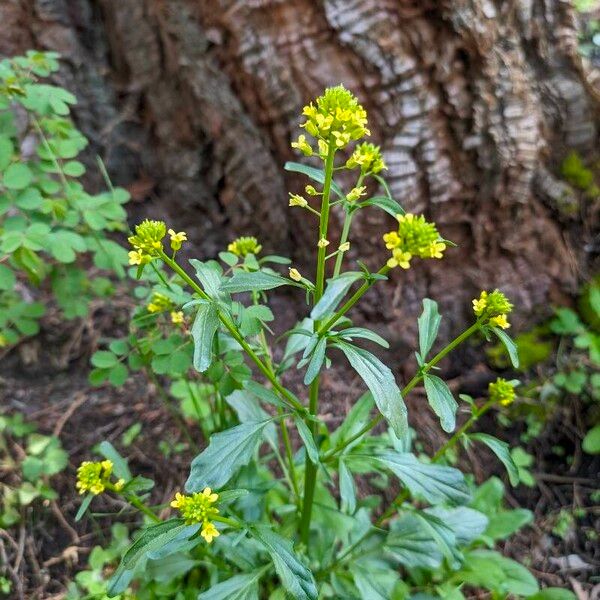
x=94 y=477
x=177 y=317
x=244 y=246
x=494 y=306
x=337 y=116
x=502 y=391
x=147 y=241
x=159 y=303
x=414 y=237
x=198 y=508
x=368 y=157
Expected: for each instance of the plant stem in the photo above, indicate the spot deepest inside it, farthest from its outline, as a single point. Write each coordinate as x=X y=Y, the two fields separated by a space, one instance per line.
x=343 y=239
x=286 y=395
x=310 y=469
x=324 y=220
x=407 y=388
x=134 y=501
x=360 y=292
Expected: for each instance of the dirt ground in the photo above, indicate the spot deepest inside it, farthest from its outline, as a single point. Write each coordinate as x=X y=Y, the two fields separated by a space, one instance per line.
x=46 y=379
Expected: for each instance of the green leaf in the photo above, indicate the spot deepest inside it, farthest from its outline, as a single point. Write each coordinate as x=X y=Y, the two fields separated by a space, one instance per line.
x=316 y=361
x=297 y=579
x=389 y=205
x=238 y=587
x=441 y=401
x=410 y=544
x=315 y=174
x=120 y=468
x=491 y=570
x=227 y=451
x=308 y=439
x=591 y=441
x=83 y=507
x=209 y=275
x=429 y=325
x=380 y=381
x=510 y=346
x=502 y=451
x=336 y=289
x=152 y=538
x=17 y=176
x=355 y=420
x=373 y=581
x=361 y=333
x=7 y=278
x=6 y=151
x=466 y=523
x=258 y=281
x=203 y=332
x=347 y=488
x=104 y=359
x=434 y=483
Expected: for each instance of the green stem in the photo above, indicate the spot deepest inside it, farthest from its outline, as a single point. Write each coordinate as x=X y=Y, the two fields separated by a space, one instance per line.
x=134 y=501
x=237 y=336
x=324 y=220
x=310 y=469
x=343 y=239
x=407 y=388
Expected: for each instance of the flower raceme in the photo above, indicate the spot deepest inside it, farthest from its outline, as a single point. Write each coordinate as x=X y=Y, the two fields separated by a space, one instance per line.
x=414 y=237
x=493 y=306
x=368 y=157
x=147 y=241
x=243 y=246
x=159 y=303
x=198 y=508
x=94 y=477
x=502 y=391
x=336 y=116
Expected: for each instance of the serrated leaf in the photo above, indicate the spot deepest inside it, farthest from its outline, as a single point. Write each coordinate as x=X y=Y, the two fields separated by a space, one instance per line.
x=441 y=400
x=336 y=289
x=434 y=483
x=296 y=578
x=380 y=381
x=209 y=275
x=429 y=325
x=502 y=451
x=227 y=452
x=411 y=545
x=466 y=523
x=510 y=346
x=203 y=333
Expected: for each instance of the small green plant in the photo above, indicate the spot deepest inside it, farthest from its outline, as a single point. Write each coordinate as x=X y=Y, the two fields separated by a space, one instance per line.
x=271 y=508
x=50 y=227
x=28 y=460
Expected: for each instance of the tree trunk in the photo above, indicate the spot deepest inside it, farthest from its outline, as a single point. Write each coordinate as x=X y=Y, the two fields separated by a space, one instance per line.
x=193 y=104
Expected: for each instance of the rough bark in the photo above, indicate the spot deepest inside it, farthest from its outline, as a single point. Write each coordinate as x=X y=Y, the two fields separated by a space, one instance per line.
x=193 y=103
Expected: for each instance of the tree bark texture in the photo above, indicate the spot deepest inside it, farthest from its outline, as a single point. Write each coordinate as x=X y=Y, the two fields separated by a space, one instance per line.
x=193 y=104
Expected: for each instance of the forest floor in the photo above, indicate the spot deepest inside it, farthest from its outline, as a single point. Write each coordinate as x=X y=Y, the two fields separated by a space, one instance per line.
x=46 y=379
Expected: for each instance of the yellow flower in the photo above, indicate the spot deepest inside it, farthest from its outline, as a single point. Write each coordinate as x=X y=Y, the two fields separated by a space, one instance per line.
x=135 y=257
x=500 y=321
x=120 y=485
x=148 y=237
x=92 y=477
x=177 y=239
x=344 y=247
x=302 y=145
x=176 y=317
x=356 y=193
x=323 y=243
x=244 y=246
x=502 y=391
x=159 y=303
x=197 y=507
x=368 y=157
x=209 y=532
x=337 y=115
x=311 y=190
x=296 y=200
x=493 y=306
x=295 y=274
x=414 y=237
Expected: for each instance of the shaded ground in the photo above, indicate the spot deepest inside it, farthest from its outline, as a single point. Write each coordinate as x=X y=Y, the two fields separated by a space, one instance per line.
x=46 y=379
